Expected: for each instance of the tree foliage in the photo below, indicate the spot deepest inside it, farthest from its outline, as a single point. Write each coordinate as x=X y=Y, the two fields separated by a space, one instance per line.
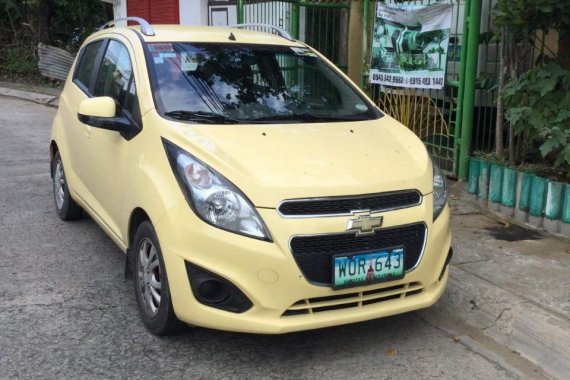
x=517 y=22
x=538 y=108
x=64 y=23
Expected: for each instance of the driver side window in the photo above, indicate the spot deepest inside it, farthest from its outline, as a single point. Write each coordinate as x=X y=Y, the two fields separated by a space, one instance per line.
x=116 y=78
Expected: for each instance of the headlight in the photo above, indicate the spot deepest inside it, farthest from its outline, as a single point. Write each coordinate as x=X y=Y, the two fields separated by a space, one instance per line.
x=212 y=197
x=439 y=190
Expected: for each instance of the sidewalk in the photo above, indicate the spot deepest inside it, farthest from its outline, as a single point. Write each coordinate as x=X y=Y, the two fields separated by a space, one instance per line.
x=47 y=96
x=510 y=283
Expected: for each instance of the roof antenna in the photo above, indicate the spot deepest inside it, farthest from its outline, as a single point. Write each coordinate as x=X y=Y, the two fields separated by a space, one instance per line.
x=232 y=37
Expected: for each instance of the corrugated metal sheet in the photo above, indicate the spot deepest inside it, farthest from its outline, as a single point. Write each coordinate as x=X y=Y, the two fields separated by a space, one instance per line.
x=54 y=62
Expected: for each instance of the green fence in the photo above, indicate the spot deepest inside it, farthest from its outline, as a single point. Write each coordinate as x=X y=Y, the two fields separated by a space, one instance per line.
x=434 y=115
x=323 y=24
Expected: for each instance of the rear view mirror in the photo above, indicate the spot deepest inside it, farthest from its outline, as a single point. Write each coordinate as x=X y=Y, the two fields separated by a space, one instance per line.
x=101 y=112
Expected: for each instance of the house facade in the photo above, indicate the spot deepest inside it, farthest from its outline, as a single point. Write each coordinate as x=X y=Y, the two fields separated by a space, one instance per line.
x=183 y=12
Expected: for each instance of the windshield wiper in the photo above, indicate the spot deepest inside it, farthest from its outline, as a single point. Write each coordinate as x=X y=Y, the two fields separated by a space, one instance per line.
x=308 y=117
x=202 y=117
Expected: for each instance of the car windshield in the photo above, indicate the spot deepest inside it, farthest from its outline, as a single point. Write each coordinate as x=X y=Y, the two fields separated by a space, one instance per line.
x=237 y=83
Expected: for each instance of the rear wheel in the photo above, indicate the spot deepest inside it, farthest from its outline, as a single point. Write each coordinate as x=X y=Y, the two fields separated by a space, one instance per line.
x=151 y=283
x=65 y=206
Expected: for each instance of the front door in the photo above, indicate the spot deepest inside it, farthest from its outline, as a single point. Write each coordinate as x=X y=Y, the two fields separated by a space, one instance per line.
x=105 y=154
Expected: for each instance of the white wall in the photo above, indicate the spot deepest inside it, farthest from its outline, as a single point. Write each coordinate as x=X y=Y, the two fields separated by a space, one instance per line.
x=222 y=15
x=119 y=8
x=193 y=12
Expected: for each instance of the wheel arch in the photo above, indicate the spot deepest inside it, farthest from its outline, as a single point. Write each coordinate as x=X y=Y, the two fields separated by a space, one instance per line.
x=53 y=149
x=138 y=216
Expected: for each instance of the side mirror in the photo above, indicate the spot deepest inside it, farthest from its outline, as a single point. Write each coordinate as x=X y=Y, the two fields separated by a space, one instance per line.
x=99 y=107
x=101 y=112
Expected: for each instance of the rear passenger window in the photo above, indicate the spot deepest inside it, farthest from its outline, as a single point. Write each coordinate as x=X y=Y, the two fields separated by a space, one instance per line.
x=116 y=78
x=85 y=69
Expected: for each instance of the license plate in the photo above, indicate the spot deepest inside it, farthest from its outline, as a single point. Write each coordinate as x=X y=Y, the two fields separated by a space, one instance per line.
x=368 y=268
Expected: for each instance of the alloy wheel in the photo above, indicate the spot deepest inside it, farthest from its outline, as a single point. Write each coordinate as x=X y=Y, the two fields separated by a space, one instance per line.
x=148 y=277
x=59 y=184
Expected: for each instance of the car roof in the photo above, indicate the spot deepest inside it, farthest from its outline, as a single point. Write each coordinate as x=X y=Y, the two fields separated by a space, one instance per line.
x=179 y=33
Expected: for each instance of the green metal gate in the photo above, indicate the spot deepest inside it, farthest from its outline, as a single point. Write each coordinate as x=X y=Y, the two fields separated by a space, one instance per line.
x=434 y=115
x=451 y=120
x=323 y=24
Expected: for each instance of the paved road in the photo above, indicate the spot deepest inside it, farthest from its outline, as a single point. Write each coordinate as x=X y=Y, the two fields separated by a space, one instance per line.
x=67 y=312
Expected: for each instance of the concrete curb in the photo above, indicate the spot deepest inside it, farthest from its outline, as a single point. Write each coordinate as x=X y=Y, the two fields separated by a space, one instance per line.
x=536 y=334
x=46 y=100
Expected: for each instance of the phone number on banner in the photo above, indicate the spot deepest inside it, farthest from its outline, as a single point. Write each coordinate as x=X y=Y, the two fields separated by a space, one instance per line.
x=407 y=81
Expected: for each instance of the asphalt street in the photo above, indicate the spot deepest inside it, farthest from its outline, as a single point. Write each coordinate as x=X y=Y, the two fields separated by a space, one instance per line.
x=66 y=310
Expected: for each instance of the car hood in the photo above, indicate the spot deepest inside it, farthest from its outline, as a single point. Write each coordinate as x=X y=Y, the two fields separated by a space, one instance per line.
x=273 y=162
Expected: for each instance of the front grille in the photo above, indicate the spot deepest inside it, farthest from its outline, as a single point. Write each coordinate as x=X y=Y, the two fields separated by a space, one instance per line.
x=353 y=300
x=347 y=205
x=313 y=253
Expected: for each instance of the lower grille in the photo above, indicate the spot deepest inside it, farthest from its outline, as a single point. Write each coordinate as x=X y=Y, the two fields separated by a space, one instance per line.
x=353 y=300
x=313 y=253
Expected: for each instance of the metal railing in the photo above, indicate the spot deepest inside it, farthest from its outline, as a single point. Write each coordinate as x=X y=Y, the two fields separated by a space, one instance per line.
x=146 y=29
x=323 y=24
x=279 y=31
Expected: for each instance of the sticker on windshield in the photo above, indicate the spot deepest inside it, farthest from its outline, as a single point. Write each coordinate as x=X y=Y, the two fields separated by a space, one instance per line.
x=155 y=48
x=167 y=54
x=188 y=62
x=303 y=51
x=360 y=107
x=158 y=60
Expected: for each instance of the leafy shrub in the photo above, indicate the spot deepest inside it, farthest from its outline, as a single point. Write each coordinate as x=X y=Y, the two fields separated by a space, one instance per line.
x=538 y=108
x=18 y=62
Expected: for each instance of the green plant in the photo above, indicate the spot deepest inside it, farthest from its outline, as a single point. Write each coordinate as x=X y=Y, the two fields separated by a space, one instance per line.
x=433 y=36
x=18 y=62
x=516 y=24
x=490 y=157
x=538 y=108
x=406 y=62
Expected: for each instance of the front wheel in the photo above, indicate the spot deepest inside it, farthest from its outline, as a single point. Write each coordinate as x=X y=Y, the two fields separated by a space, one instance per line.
x=66 y=207
x=151 y=283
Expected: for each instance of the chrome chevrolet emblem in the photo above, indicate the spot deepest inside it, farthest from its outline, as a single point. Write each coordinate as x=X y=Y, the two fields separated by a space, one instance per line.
x=364 y=225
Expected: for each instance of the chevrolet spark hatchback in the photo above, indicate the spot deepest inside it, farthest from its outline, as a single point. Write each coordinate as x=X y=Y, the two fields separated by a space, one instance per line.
x=251 y=184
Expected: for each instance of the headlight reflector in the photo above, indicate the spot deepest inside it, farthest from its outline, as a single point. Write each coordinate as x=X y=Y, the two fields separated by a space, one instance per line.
x=212 y=197
x=439 y=190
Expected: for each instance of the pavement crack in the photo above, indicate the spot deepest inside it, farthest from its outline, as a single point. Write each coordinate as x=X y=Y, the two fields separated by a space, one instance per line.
x=494 y=323
x=501 y=313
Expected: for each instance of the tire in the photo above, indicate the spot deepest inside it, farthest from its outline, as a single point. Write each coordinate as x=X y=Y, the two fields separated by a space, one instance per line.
x=65 y=206
x=151 y=284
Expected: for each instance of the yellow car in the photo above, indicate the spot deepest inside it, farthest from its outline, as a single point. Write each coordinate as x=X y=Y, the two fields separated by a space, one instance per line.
x=251 y=184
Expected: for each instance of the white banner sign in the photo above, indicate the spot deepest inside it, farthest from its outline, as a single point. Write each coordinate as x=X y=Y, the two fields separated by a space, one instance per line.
x=409 y=45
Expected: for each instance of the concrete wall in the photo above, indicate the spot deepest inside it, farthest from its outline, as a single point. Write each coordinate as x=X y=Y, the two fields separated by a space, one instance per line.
x=119 y=8
x=193 y=12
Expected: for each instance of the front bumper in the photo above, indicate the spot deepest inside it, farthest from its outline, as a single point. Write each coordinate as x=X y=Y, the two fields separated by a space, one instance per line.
x=283 y=300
